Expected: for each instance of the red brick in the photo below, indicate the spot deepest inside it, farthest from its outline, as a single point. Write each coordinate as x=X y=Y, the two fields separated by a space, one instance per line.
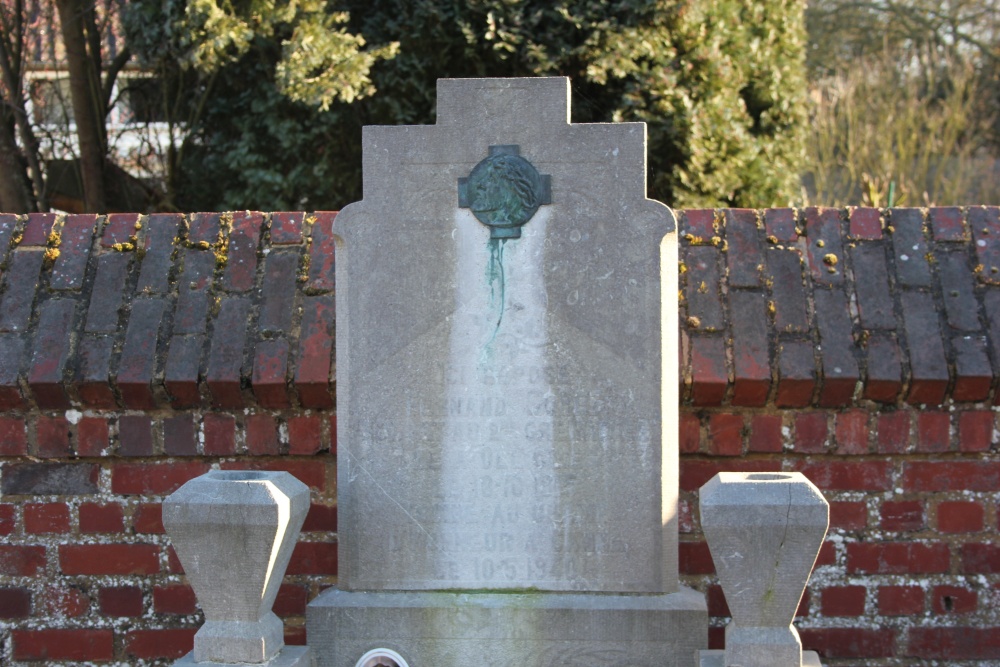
x=780 y=223
x=928 y=367
x=270 y=367
x=902 y=515
x=695 y=558
x=305 y=435
x=220 y=434
x=241 y=262
x=37 y=229
x=924 y=476
x=278 y=290
x=946 y=222
x=15 y=603
x=98 y=518
x=827 y=554
x=716 y=638
x=262 y=435
x=118 y=228
x=106 y=294
x=8 y=519
x=322 y=252
x=153 y=479
x=92 y=437
x=811 y=432
x=311 y=472
x=874 y=295
x=900 y=600
x=743 y=257
x=980 y=558
x=138 y=360
x=109 y=558
x=843 y=601
x=173 y=562
x=52 y=437
x=180 y=375
x=975 y=430
x=92 y=383
x=950 y=644
x=48 y=363
x=725 y=433
x=694 y=473
x=701 y=293
x=291 y=600
x=796 y=375
x=954 y=516
x=851 y=432
x=286 y=227
x=690 y=433
x=179 y=437
x=21 y=561
x=698 y=222
x=176 y=599
x=708 y=371
x=791 y=310
x=866 y=224
x=717 y=605
x=333 y=434
x=295 y=635
x=203 y=227
x=314 y=558
x=148 y=518
x=910 y=247
x=848 y=475
x=23 y=269
x=840 y=368
x=953 y=600
x=312 y=375
x=168 y=643
x=321 y=518
x=120 y=601
x=893 y=432
x=933 y=432
x=46 y=518
x=225 y=359
x=62 y=602
x=848 y=515
x=685 y=517
x=64 y=644
x=13 y=437
x=751 y=357
x=158 y=236
x=76 y=236
x=135 y=435
x=11 y=353
x=897 y=558
x=850 y=642
x=973 y=375
x=955 y=271
x=191 y=314
x=823 y=227
x=765 y=433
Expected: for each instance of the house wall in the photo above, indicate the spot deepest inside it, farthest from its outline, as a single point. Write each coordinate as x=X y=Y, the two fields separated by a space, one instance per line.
x=859 y=347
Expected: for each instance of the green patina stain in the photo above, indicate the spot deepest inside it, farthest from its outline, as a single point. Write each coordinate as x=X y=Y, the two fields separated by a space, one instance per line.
x=496 y=279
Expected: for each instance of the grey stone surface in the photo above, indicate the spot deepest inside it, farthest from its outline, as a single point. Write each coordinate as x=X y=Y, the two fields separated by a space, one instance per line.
x=509 y=630
x=764 y=531
x=234 y=532
x=718 y=659
x=500 y=419
x=289 y=656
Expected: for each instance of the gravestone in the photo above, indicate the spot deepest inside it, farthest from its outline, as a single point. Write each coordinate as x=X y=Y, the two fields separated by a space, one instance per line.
x=507 y=471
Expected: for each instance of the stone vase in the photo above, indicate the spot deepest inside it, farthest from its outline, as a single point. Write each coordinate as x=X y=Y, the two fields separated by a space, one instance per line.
x=764 y=531
x=234 y=531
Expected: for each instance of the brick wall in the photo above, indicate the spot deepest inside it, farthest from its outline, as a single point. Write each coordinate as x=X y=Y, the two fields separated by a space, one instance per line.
x=859 y=347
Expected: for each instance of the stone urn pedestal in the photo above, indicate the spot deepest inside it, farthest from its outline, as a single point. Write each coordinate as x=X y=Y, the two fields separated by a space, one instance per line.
x=234 y=531
x=764 y=531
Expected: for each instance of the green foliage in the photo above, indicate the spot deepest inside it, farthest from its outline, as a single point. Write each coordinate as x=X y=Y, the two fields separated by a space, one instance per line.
x=719 y=83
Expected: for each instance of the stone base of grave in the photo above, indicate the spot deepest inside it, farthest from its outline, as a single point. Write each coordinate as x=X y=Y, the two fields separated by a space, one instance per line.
x=509 y=629
x=718 y=659
x=289 y=656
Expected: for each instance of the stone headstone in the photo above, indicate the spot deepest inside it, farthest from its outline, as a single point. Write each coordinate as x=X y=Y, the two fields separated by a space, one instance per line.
x=507 y=452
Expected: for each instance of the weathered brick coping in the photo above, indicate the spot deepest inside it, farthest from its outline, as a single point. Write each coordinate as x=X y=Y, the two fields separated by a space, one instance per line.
x=818 y=307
